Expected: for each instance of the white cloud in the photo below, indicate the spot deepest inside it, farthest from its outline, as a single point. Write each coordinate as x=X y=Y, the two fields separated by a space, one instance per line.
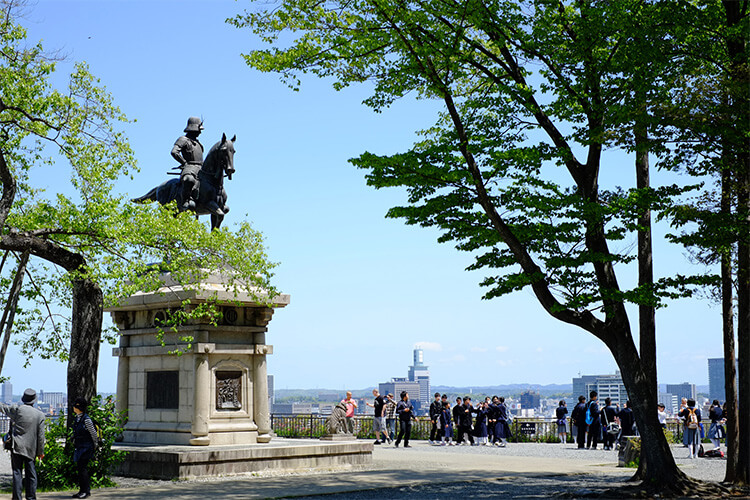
x=428 y=346
x=478 y=349
x=539 y=349
x=502 y=348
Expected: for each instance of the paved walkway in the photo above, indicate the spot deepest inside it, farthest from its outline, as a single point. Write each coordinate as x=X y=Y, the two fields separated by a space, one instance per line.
x=417 y=467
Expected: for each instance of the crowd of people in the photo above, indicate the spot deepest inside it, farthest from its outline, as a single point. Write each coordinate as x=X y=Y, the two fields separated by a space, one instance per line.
x=487 y=423
x=483 y=424
x=593 y=424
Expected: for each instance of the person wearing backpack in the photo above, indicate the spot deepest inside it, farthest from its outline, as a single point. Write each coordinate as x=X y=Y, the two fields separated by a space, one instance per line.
x=692 y=417
x=85 y=440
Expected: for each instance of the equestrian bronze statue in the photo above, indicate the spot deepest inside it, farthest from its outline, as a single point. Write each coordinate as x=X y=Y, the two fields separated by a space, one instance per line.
x=200 y=186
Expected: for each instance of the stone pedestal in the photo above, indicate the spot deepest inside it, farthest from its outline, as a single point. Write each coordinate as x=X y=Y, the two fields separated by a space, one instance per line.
x=216 y=391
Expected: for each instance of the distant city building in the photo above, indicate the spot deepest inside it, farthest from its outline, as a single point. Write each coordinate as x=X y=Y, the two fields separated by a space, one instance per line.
x=417 y=384
x=670 y=401
x=530 y=400
x=716 y=384
x=296 y=408
x=7 y=392
x=55 y=400
x=397 y=385
x=420 y=373
x=580 y=384
x=606 y=386
x=684 y=390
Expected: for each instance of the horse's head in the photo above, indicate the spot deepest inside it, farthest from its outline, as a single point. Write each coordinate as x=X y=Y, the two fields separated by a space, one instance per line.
x=226 y=155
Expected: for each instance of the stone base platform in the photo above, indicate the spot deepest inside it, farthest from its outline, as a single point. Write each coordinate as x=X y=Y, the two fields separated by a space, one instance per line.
x=183 y=462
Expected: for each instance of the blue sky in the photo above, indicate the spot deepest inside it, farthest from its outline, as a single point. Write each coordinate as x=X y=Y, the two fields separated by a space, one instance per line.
x=364 y=289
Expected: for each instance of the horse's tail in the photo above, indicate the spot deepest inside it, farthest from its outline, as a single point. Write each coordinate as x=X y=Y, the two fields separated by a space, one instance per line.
x=150 y=196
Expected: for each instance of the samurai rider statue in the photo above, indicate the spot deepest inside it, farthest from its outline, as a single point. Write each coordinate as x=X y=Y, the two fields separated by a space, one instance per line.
x=188 y=151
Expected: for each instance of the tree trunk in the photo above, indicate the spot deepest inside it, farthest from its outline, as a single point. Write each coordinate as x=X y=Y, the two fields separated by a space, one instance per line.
x=10 y=306
x=646 y=312
x=727 y=323
x=738 y=83
x=85 y=339
x=660 y=471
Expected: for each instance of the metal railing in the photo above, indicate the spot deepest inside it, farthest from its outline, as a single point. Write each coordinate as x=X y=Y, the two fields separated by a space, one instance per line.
x=538 y=430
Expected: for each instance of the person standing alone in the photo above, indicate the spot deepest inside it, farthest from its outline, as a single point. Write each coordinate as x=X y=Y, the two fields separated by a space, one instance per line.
x=84 y=439
x=27 y=429
x=405 y=412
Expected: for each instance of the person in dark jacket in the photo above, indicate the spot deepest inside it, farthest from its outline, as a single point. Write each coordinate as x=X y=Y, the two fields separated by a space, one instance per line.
x=608 y=417
x=716 y=415
x=27 y=429
x=405 y=411
x=502 y=429
x=436 y=408
x=595 y=427
x=627 y=423
x=457 y=409
x=465 y=421
x=579 y=418
x=85 y=439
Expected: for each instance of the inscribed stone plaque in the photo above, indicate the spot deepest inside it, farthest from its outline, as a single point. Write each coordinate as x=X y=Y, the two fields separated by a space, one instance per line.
x=163 y=390
x=229 y=390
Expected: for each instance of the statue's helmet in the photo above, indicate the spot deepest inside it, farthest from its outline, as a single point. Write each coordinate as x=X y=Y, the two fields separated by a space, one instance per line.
x=194 y=124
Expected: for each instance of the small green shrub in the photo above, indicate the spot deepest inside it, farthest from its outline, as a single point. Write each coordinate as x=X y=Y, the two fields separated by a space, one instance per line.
x=57 y=470
x=670 y=436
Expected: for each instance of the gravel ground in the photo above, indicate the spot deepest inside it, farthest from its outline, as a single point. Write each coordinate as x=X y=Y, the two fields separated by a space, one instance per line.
x=531 y=485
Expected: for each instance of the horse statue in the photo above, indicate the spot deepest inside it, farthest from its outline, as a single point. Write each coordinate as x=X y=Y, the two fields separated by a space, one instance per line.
x=211 y=198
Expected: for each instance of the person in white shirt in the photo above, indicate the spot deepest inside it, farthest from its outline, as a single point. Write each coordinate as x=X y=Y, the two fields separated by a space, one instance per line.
x=662 y=416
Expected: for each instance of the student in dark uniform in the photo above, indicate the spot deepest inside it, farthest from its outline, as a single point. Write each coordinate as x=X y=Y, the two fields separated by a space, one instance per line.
x=446 y=424
x=480 y=424
x=457 y=409
x=436 y=408
x=465 y=420
x=595 y=427
x=627 y=423
x=579 y=418
x=502 y=429
x=609 y=416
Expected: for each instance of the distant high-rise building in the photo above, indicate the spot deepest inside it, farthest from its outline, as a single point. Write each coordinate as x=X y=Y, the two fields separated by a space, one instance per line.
x=683 y=390
x=7 y=392
x=417 y=383
x=580 y=384
x=530 y=400
x=606 y=386
x=420 y=373
x=716 y=383
x=397 y=385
